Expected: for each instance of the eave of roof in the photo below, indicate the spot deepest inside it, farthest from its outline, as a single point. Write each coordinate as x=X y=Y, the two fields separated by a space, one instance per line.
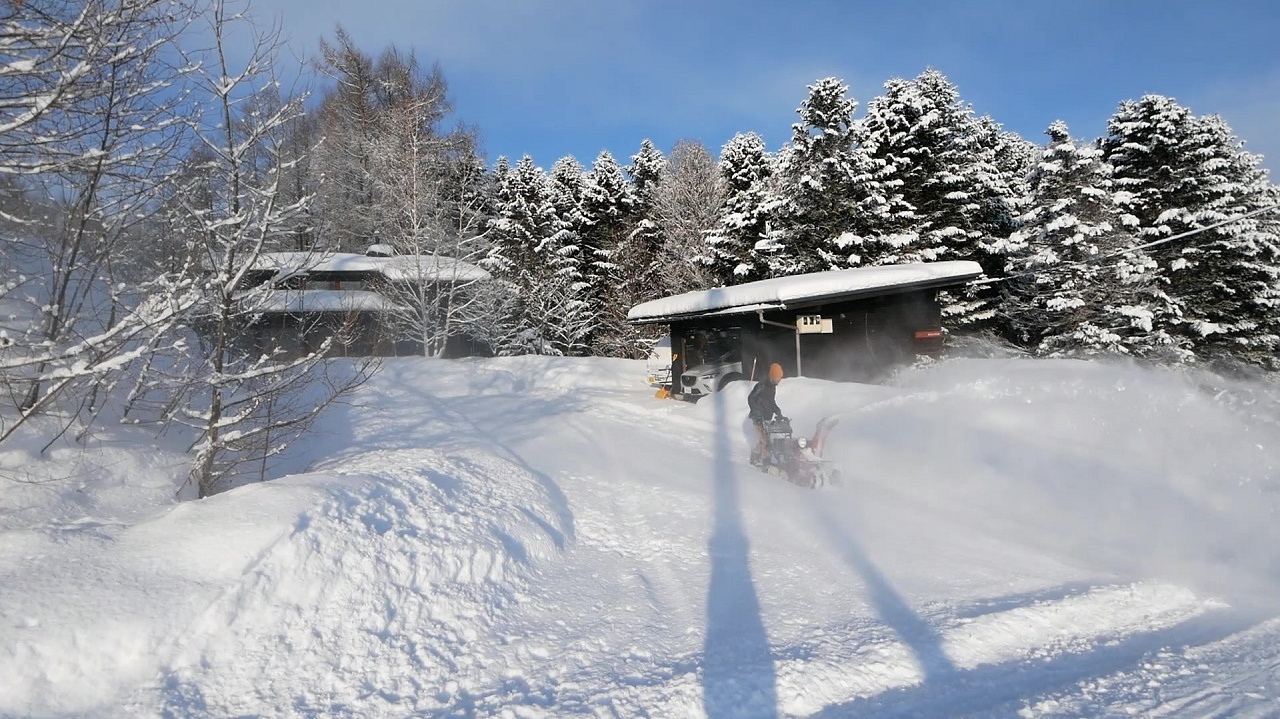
x=395 y=268
x=317 y=302
x=799 y=291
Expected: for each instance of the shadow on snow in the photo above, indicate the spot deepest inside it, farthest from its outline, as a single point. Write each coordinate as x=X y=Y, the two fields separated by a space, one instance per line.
x=738 y=678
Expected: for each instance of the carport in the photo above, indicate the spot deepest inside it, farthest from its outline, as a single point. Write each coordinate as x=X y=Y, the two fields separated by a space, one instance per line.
x=852 y=325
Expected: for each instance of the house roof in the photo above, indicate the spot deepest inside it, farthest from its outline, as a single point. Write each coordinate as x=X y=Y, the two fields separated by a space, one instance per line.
x=806 y=290
x=395 y=268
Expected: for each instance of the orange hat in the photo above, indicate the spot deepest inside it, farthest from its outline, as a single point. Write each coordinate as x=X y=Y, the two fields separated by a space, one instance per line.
x=775 y=372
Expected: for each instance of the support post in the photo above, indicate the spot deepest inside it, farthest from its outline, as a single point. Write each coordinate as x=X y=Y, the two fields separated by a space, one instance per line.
x=799 y=369
x=793 y=328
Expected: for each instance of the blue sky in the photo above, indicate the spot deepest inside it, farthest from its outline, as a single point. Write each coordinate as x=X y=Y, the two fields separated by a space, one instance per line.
x=573 y=77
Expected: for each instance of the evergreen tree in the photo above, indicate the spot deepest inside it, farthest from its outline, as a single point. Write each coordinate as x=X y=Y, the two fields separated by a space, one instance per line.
x=946 y=198
x=608 y=205
x=498 y=175
x=534 y=256
x=823 y=188
x=524 y=218
x=639 y=256
x=746 y=171
x=565 y=188
x=646 y=171
x=1064 y=297
x=566 y=285
x=1182 y=173
x=1015 y=159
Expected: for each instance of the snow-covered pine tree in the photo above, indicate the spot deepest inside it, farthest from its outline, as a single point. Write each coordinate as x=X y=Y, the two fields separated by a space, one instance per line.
x=498 y=317
x=946 y=198
x=687 y=203
x=523 y=223
x=534 y=253
x=496 y=182
x=608 y=204
x=646 y=171
x=1063 y=299
x=822 y=190
x=565 y=186
x=1015 y=159
x=746 y=171
x=564 y=287
x=523 y=219
x=497 y=176
x=1182 y=173
x=639 y=255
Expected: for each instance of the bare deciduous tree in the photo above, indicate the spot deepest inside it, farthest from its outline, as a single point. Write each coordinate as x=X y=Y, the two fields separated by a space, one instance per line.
x=246 y=402
x=88 y=111
x=429 y=193
x=686 y=205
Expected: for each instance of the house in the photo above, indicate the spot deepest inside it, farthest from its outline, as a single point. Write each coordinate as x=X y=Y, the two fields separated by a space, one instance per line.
x=855 y=324
x=293 y=301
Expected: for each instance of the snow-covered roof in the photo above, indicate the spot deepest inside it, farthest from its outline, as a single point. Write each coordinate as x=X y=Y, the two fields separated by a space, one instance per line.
x=395 y=268
x=300 y=301
x=806 y=290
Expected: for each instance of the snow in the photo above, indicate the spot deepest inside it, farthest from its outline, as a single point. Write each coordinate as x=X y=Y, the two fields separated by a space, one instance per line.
x=395 y=268
x=540 y=537
x=782 y=292
x=321 y=301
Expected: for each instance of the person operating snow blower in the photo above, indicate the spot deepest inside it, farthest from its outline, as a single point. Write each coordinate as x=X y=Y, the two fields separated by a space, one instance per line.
x=763 y=406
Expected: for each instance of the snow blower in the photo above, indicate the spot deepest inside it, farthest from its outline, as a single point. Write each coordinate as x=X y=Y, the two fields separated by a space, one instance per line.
x=799 y=459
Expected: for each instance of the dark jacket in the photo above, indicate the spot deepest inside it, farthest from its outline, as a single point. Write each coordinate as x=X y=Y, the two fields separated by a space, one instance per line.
x=763 y=401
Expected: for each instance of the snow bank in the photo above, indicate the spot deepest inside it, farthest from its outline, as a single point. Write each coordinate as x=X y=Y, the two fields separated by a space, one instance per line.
x=114 y=475
x=362 y=587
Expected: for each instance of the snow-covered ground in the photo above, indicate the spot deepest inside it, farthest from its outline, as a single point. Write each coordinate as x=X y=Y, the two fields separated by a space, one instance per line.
x=534 y=537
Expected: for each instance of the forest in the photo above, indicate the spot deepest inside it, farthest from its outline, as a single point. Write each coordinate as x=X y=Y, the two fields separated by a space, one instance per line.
x=145 y=168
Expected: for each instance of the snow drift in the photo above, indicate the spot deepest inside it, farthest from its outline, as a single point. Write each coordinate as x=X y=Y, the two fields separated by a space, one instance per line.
x=539 y=537
x=388 y=568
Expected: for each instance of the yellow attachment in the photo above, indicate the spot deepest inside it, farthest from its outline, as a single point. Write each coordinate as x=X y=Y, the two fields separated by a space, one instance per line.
x=662 y=393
